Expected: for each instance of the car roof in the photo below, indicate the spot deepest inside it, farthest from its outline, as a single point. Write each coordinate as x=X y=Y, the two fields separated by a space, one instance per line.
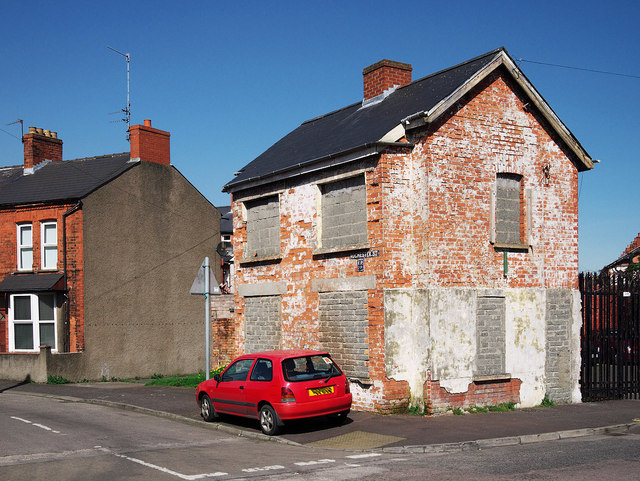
x=284 y=353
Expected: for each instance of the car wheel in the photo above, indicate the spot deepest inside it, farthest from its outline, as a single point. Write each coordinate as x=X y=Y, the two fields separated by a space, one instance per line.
x=339 y=418
x=268 y=420
x=207 y=411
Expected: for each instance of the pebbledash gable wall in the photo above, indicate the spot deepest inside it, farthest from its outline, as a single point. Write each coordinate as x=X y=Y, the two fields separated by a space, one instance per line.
x=9 y=218
x=438 y=286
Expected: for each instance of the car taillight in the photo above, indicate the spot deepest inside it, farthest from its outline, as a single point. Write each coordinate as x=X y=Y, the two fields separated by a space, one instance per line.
x=287 y=395
x=347 y=386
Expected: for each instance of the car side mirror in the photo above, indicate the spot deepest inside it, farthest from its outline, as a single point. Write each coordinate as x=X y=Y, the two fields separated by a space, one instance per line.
x=217 y=378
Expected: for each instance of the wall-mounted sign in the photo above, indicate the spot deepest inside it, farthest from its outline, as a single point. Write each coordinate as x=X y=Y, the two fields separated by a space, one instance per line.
x=365 y=255
x=360 y=265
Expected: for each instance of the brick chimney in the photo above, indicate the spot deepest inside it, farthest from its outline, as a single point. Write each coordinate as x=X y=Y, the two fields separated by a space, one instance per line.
x=149 y=144
x=40 y=145
x=383 y=75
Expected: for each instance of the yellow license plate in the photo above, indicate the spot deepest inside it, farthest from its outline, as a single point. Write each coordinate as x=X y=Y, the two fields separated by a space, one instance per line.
x=319 y=391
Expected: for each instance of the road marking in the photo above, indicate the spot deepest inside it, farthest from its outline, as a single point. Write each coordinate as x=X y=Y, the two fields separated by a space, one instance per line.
x=312 y=463
x=166 y=470
x=41 y=426
x=360 y=456
x=264 y=468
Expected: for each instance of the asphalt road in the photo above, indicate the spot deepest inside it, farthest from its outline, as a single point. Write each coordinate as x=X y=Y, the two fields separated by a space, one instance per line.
x=44 y=438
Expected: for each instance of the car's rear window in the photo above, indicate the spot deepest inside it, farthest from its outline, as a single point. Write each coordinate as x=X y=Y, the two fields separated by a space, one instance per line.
x=309 y=367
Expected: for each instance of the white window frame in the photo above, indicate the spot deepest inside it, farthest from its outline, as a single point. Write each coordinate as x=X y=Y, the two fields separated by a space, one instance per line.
x=34 y=321
x=47 y=246
x=22 y=248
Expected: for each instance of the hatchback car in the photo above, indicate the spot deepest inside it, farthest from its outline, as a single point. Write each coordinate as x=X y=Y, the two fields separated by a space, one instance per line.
x=277 y=386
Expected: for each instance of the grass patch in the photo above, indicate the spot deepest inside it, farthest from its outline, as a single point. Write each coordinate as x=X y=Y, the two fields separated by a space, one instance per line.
x=458 y=412
x=547 y=403
x=190 y=380
x=414 y=411
x=57 y=380
x=499 y=408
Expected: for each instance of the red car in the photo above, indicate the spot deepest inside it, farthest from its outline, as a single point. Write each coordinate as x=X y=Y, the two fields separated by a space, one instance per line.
x=277 y=386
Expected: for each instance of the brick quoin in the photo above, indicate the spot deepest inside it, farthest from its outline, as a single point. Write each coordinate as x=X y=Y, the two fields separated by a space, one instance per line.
x=428 y=215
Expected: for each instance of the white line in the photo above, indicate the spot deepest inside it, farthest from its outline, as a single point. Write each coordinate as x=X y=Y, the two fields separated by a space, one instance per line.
x=167 y=470
x=264 y=468
x=41 y=426
x=311 y=463
x=20 y=419
x=360 y=456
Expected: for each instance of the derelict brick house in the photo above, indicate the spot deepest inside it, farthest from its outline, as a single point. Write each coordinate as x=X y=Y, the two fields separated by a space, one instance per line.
x=426 y=236
x=98 y=258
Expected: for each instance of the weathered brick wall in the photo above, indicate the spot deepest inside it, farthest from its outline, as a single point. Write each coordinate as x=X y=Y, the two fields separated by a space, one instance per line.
x=263 y=323
x=343 y=330
x=75 y=270
x=454 y=167
x=223 y=330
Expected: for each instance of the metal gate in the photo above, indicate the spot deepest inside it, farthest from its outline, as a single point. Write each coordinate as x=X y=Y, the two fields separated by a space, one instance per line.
x=610 y=336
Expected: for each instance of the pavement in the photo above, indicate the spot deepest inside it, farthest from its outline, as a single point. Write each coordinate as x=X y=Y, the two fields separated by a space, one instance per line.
x=365 y=431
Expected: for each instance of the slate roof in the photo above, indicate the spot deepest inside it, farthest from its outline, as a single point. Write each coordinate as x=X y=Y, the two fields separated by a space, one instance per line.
x=61 y=181
x=364 y=124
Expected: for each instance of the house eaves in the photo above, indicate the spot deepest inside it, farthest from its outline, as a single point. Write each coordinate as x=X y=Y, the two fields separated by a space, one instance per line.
x=315 y=165
x=422 y=118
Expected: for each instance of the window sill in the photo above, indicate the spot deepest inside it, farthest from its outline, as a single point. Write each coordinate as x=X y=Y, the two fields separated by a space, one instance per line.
x=492 y=378
x=511 y=247
x=338 y=250
x=255 y=260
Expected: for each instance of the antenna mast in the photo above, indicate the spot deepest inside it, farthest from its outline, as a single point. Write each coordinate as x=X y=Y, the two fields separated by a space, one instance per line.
x=127 y=110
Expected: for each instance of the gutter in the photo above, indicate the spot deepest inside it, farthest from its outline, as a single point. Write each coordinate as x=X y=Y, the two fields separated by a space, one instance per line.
x=331 y=160
x=67 y=320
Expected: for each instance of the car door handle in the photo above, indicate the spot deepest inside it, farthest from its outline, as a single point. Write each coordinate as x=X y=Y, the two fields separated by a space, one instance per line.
x=241 y=387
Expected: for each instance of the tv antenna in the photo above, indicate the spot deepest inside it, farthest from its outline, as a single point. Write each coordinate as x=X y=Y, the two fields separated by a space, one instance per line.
x=127 y=109
x=19 y=121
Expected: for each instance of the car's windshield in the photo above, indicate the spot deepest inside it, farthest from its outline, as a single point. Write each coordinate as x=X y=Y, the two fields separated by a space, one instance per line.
x=309 y=367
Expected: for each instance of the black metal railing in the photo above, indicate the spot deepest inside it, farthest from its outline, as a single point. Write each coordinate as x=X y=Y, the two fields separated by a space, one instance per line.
x=610 y=337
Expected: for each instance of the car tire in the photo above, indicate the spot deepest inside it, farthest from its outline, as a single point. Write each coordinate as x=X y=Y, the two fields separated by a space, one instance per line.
x=207 y=411
x=339 y=418
x=268 y=420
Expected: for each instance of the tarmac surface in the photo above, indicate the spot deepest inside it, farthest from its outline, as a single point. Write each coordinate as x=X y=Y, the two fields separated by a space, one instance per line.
x=364 y=430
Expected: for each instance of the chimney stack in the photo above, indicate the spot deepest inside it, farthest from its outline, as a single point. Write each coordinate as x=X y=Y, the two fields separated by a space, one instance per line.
x=40 y=145
x=149 y=144
x=384 y=75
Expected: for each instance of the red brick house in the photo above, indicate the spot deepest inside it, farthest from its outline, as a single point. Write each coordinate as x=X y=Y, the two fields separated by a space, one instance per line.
x=631 y=255
x=99 y=254
x=427 y=236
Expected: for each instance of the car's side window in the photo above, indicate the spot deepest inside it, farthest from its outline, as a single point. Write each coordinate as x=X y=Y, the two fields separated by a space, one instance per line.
x=262 y=371
x=238 y=370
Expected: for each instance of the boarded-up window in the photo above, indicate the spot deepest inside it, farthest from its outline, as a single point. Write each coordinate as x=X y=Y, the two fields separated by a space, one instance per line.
x=262 y=323
x=263 y=227
x=508 y=209
x=344 y=213
x=490 y=336
x=343 y=330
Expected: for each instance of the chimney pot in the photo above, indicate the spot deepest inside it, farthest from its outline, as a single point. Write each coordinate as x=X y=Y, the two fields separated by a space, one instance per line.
x=32 y=130
x=147 y=122
x=384 y=75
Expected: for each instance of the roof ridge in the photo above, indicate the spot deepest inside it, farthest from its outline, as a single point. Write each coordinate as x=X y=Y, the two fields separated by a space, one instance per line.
x=440 y=72
x=97 y=157
x=487 y=54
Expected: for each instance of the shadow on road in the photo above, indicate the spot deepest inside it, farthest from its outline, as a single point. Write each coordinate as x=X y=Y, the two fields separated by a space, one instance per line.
x=27 y=380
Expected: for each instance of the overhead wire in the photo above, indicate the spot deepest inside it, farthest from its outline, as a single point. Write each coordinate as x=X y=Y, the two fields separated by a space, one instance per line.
x=580 y=68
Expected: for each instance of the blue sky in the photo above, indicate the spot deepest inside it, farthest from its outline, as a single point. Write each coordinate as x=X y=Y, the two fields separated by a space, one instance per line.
x=228 y=79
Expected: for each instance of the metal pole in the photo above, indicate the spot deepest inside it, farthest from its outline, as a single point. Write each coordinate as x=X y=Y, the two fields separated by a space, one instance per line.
x=207 y=305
